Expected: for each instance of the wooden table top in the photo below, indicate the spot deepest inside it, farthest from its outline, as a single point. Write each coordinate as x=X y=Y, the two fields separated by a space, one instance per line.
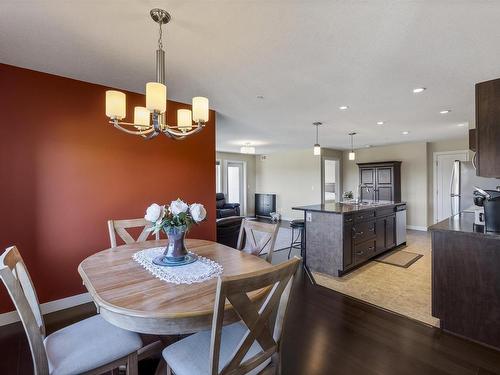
x=129 y=296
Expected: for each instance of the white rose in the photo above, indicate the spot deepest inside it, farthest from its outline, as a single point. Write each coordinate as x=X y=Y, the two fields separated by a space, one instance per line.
x=198 y=212
x=154 y=213
x=178 y=206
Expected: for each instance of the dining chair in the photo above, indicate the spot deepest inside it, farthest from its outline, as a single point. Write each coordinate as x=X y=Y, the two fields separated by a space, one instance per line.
x=120 y=227
x=90 y=346
x=256 y=237
x=250 y=346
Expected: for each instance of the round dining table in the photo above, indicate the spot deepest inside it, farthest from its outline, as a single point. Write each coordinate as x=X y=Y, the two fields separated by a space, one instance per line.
x=130 y=297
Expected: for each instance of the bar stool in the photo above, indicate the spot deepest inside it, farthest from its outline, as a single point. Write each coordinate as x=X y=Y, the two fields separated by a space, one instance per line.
x=297 y=225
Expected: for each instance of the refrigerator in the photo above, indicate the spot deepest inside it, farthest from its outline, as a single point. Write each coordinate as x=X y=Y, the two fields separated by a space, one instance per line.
x=463 y=180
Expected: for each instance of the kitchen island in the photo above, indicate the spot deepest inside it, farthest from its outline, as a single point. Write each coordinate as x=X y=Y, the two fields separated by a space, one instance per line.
x=466 y=279
x=341 y=236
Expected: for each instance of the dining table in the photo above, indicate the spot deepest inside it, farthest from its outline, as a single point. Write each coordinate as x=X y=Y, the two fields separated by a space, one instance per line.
x=129 y=296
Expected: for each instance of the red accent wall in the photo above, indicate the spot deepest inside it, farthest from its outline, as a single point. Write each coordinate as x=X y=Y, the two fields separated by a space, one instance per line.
x=64 y=171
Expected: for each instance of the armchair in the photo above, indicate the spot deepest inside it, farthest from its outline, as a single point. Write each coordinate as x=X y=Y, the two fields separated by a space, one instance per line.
x=224 y=209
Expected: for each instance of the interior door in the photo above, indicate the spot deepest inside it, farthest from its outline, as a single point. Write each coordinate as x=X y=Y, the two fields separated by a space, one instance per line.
x=443 y=174
x=330 y=180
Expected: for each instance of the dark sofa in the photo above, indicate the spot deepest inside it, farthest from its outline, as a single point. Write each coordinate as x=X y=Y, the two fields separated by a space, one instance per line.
x=224 y=209
x=228 y=230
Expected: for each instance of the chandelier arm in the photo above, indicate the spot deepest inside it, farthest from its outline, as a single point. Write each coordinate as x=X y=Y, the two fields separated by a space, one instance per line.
x=119 y=126
x=176 y=134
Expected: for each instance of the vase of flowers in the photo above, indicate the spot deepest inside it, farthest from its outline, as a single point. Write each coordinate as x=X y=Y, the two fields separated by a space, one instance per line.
x=175 y=220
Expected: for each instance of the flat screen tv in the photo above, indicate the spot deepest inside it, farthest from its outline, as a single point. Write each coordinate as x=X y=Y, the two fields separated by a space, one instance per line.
x=264 y=204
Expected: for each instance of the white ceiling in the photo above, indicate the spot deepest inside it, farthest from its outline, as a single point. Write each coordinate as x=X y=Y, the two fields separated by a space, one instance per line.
x=305 y=57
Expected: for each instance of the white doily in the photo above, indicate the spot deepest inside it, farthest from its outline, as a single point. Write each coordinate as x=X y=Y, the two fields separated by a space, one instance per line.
x=202 y=269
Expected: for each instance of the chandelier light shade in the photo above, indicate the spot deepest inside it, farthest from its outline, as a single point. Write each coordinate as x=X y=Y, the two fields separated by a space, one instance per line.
x=352 y=155
x=247 y=149
x=317 y=147
x=149 y=121
x=115 y=104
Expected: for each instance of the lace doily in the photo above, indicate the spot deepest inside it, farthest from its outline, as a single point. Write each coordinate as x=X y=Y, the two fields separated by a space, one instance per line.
x=202 y=270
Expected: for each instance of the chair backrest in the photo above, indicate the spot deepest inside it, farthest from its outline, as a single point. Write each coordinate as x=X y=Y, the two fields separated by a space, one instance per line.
x=264 y=321
x=18 y=282
x=120 y=227
x=256 y=237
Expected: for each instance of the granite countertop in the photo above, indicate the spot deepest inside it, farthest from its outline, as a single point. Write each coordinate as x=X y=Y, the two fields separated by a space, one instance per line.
x=464 y=223
x=343 y=208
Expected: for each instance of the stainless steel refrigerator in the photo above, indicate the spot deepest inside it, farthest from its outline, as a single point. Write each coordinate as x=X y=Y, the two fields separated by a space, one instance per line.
x=463 y=180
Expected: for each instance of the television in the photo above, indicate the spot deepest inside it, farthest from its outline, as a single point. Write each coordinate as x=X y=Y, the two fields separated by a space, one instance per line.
x=265 y=204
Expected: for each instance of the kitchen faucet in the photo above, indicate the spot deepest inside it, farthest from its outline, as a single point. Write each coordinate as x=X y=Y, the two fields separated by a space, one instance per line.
x=360 y=187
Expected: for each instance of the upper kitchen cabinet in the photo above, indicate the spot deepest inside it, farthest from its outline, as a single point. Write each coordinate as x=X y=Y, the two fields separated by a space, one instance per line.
x=488 y=128
x=380 y=181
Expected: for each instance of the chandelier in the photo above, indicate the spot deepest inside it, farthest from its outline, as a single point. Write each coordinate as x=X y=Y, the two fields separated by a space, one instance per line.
x=150 y=121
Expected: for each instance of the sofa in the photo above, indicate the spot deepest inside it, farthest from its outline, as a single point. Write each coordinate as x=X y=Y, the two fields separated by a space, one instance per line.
x=228 y=230
x=224 y=209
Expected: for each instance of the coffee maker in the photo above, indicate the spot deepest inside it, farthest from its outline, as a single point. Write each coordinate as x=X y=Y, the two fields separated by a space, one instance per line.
x=490 y=201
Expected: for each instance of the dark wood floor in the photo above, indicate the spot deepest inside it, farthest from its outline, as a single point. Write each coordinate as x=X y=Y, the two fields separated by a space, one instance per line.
x=326 y=333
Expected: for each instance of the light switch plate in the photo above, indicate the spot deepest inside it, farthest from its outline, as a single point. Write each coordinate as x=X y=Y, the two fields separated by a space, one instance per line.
x=309 y=216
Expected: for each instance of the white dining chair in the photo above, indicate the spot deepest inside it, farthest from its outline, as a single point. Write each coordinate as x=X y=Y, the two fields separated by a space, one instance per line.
x=91 y=346
x=120 y=227
x=245 y=347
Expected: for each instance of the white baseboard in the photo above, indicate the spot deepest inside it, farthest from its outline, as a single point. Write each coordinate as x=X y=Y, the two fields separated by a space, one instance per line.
x=416 y=227
x=48 y=307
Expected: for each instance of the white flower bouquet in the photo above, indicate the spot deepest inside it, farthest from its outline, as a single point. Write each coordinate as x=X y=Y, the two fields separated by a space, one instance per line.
x=178 y=216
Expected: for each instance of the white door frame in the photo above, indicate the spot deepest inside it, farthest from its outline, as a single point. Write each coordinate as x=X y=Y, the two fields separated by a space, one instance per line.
x=243 y=205
x=337 y=177
x=434 y=177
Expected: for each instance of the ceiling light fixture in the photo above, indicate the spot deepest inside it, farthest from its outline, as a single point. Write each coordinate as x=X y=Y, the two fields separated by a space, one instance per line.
x=317 y=147
x=352 y=155
x=461 y=125
x=150 y=121
x=247 y=149
x=380 y=123
x=418 y=90
x=445 y=111
x=405 y=132
x=260 y=96
x=343 y=107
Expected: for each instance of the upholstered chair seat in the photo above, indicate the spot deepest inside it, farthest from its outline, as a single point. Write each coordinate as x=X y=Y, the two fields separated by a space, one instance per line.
x=87 y=345
x=192 y=354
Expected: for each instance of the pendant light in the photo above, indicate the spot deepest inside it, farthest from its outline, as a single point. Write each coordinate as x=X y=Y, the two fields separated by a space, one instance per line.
x=352 y=155
x=317 y=147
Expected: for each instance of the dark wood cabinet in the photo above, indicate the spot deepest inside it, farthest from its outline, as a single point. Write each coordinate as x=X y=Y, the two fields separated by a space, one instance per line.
x=367 y=233
x=488 y=128
x=381 y=181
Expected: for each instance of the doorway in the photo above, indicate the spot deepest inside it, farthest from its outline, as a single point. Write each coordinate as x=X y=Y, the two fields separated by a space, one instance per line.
x=330 y=180
x=443 y=165
x=235 y=183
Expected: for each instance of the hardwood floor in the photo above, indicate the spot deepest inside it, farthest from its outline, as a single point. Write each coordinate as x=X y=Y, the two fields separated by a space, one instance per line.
x=326 y=333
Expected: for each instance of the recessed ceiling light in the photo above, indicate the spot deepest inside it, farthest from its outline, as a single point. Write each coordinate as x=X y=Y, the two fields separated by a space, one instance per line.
x=405 y=132
x=445 y=111
x=461 y=125
x=343 y=107
x=260 y=96
x=418 y=90
x=368 y=146
x=380 y=123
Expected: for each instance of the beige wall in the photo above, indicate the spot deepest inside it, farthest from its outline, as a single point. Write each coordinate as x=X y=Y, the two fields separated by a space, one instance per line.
x=413 y=175
x=457 y=144
x=295 y=178
x=250 y=175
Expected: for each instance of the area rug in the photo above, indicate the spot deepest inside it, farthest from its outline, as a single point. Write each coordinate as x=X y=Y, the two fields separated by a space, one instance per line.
x=399 y=258
x=406 y=291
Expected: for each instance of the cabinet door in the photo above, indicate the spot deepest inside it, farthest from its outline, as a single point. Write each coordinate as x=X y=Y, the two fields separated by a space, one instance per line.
x=384 y=183
x=380 y=231
x=487 y=129
x=367 y=177
x=390 y=231
x=347 y=256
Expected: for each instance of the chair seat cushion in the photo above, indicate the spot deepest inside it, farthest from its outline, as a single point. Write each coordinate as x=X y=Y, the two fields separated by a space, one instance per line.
x=87 y=345
x=192 y=355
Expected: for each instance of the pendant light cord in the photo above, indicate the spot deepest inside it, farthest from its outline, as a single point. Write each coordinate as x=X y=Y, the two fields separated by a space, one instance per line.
x=317 y=134
x=160 y=39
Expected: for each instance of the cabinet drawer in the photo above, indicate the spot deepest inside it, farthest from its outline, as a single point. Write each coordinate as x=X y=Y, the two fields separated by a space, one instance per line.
x=381 y=212
x=363 y=231
x=364 y=215
x=364 y=251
